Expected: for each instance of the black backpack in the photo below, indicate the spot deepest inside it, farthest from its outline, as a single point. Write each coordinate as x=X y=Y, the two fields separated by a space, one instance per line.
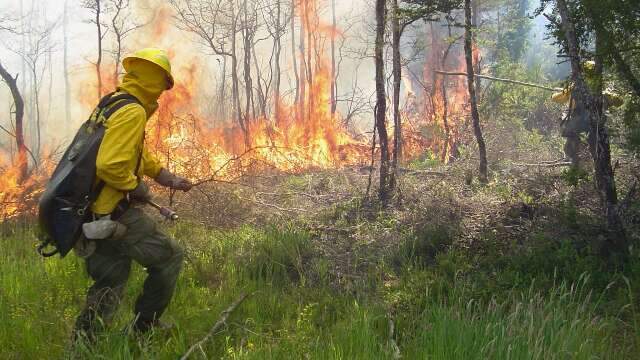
x=66 y=202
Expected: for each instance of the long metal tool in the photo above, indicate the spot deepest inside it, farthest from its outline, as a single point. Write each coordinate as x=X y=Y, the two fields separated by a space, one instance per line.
x=448 y=73
x=164 y=211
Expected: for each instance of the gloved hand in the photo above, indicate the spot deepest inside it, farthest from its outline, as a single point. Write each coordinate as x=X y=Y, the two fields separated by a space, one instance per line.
x=166 y=178
x=141 y=193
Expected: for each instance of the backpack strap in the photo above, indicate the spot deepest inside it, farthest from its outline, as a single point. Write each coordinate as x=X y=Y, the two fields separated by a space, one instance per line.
x=118 y=102
x=114 y=103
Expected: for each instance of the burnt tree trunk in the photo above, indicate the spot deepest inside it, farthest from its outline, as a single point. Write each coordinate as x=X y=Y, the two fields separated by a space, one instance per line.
x=12 y=82
x=384 y=191
x=475 y=116
x=598 y=136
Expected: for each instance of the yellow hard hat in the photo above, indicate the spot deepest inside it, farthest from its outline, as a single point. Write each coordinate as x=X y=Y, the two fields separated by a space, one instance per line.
x=589 y=65
x=154 y=56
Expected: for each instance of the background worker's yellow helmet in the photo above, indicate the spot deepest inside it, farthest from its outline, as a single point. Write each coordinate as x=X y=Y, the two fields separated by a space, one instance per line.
x=589 y=66
x=155 y=56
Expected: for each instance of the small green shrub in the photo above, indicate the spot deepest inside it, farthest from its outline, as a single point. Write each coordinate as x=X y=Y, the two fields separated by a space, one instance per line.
x=420 y=247
x=427 y=160
x=278 y=256
x=574 y=176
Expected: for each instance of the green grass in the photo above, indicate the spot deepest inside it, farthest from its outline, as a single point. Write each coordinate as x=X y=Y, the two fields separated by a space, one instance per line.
x=437 y=308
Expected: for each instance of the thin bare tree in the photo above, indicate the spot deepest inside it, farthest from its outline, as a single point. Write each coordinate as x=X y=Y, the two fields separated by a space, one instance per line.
x=475 y=116
x=39 y=44
x=216 y=23
x=384 y=190
x=598 y=133
x=18 y=105
x=334 y=30
x=97 y=8
x=397 y=78
x=294 y=60
x=122 y=25
x=65 y=64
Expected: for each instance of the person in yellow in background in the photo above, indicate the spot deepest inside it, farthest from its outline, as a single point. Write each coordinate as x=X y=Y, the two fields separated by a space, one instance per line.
x=121 y=163
x=576 y=120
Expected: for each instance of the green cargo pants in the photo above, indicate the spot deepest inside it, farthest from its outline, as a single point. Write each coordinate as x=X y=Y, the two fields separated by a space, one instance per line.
x=110 y=264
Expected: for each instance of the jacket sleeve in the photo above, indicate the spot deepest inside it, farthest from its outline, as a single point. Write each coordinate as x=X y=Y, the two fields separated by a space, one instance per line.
x=120 y=148
x=151 y=164
x=613 y=99
x=561 y=97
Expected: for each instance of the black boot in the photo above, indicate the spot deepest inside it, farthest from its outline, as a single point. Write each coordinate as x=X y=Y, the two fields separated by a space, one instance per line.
x=142 y=325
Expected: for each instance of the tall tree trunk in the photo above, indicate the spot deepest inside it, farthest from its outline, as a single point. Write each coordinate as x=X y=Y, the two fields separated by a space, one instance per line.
x=381 y=102
x=475 y=116
x=397 y=78
x=118 y=33
x=598 y=135
x=448 y=145
x=310 y=48
x=222 y=98
x=235 y=85
x=248 y=83
x=99 y=59
x=19 y=127
x=116 y=70
x=23 y=48
x=475 y=20
x=36 y=98
x=262 y=92
x=294 y=58
x=65 y=60
x=277 y=75
x=303 y=70
x=333 y=59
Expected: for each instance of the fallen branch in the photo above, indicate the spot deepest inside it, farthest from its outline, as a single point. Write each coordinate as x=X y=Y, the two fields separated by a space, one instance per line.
x=221 y=321
x=500 y=79
x=422 y=172
x=549 y=165
x=279 y=208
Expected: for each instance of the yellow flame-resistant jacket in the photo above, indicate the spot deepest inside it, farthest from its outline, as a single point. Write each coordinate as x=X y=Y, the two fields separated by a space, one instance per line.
x=564 y=96
x=124 y=138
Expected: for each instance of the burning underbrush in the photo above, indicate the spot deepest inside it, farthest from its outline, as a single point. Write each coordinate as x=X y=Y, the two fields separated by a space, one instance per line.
x=297 y=136
x=20 y=190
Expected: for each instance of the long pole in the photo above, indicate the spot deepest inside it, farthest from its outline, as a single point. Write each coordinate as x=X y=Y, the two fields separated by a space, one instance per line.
x=499 y=79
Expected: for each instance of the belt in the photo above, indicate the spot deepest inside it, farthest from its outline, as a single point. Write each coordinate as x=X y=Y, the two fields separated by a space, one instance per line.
x=121 y=208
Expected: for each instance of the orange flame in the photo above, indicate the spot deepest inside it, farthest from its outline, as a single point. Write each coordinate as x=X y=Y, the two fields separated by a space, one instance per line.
x=305 y=134
x=445 y=102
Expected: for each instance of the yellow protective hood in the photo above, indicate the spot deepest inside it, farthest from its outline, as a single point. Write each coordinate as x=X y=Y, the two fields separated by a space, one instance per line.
x=146 y=81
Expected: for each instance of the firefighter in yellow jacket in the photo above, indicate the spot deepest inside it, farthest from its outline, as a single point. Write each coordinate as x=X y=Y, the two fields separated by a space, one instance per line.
x=121 y=164
x=576 y=120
